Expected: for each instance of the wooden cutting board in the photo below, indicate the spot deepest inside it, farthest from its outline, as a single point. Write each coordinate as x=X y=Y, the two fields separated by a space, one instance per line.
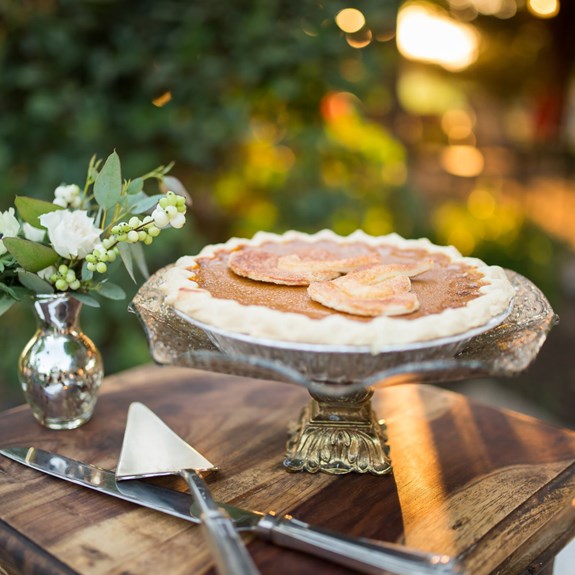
x=493 y=487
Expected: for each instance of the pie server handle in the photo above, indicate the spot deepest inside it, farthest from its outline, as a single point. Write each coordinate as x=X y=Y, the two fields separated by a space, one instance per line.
x=226 y=545
x=357 y=553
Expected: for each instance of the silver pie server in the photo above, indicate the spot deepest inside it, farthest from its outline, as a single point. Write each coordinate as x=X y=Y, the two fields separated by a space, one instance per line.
x=149 y=449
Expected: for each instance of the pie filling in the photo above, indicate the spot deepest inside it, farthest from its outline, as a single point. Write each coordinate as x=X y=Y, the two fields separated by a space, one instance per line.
x=454 y=296
x=447 y=285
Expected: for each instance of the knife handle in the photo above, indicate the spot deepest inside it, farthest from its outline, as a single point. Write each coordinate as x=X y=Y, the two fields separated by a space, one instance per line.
x=363 y=555
x=227 y=547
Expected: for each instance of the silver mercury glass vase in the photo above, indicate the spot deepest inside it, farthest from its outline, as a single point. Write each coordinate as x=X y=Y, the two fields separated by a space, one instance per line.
x=60 y=369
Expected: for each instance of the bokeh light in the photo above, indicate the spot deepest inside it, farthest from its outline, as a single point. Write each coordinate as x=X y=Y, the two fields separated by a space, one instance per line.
x=457 y=124
x=350 y=20
x=462 y=160
x=360 y=39
x=543 y=8
x=502 y=9
x=426 y=33
x=162 y=100
x=424 y=92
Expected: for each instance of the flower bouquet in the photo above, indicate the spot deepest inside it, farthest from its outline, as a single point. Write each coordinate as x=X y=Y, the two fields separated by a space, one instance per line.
x=59 y=254
x=68 y=244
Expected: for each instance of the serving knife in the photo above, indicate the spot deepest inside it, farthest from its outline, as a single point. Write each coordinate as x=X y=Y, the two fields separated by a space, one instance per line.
x=364 y=555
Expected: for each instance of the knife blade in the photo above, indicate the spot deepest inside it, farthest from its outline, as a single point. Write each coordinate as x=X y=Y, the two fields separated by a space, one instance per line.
x=364 y=555
x=140 y=492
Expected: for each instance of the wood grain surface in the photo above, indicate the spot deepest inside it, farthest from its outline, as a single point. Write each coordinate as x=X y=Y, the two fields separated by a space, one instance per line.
x=495 y=488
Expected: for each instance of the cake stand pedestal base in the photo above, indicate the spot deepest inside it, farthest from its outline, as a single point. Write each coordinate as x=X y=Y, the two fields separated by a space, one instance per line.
x=338 y=435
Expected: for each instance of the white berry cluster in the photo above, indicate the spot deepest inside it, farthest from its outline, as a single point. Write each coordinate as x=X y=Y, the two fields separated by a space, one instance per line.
x=170 y=211
x=65 y=278
x=68 y=196
x=101 y=255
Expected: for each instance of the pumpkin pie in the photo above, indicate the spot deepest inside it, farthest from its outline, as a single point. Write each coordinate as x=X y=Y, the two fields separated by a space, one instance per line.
x=357 y=290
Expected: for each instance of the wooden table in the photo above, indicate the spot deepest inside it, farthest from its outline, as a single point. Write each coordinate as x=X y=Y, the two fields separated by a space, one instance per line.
x=494 y=487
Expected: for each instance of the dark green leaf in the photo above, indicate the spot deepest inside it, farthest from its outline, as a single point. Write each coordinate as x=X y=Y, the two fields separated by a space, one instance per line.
x=30 y=209
x=6 y=302
x=85 y=299
x=32 y=256
x=34 y=282
x=8 y=291
x=108 y=184
x=21 y=293
x=111 y=291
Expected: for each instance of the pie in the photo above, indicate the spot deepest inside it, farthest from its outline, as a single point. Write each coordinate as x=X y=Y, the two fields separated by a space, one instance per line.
x=357 y=290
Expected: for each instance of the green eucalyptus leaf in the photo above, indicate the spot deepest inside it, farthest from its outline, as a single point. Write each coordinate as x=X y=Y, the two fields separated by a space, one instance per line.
x=85 y=299
x=111 y=291
x=139 y=258
x=135 y=186
x=34 y=283
x=32 y=256
x=170 y=183
x=6 y=302
x=86 y=274
x=127 y=259
x=145 y=203
x=108 y=184
x=131 y=200
x=30 y=209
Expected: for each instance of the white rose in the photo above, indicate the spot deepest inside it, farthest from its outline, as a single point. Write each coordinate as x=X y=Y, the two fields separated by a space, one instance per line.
x=72 y=234
x=9 y=227
x=33 y=234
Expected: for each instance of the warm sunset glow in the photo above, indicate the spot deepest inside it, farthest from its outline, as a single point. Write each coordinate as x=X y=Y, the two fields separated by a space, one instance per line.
x=543 y=8
x=350 y=20
x=162 y=100
x=464 y=161
x=426 y=33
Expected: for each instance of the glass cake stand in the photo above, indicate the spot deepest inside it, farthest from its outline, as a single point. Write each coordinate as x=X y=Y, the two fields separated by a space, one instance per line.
x=338 y=432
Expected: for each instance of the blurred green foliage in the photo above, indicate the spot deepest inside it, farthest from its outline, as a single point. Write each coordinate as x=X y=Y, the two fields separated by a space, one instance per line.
x=273 y=118
x=231 y=91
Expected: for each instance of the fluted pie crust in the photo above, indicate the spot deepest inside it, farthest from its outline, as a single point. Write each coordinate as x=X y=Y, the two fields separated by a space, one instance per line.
x=457 y=295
